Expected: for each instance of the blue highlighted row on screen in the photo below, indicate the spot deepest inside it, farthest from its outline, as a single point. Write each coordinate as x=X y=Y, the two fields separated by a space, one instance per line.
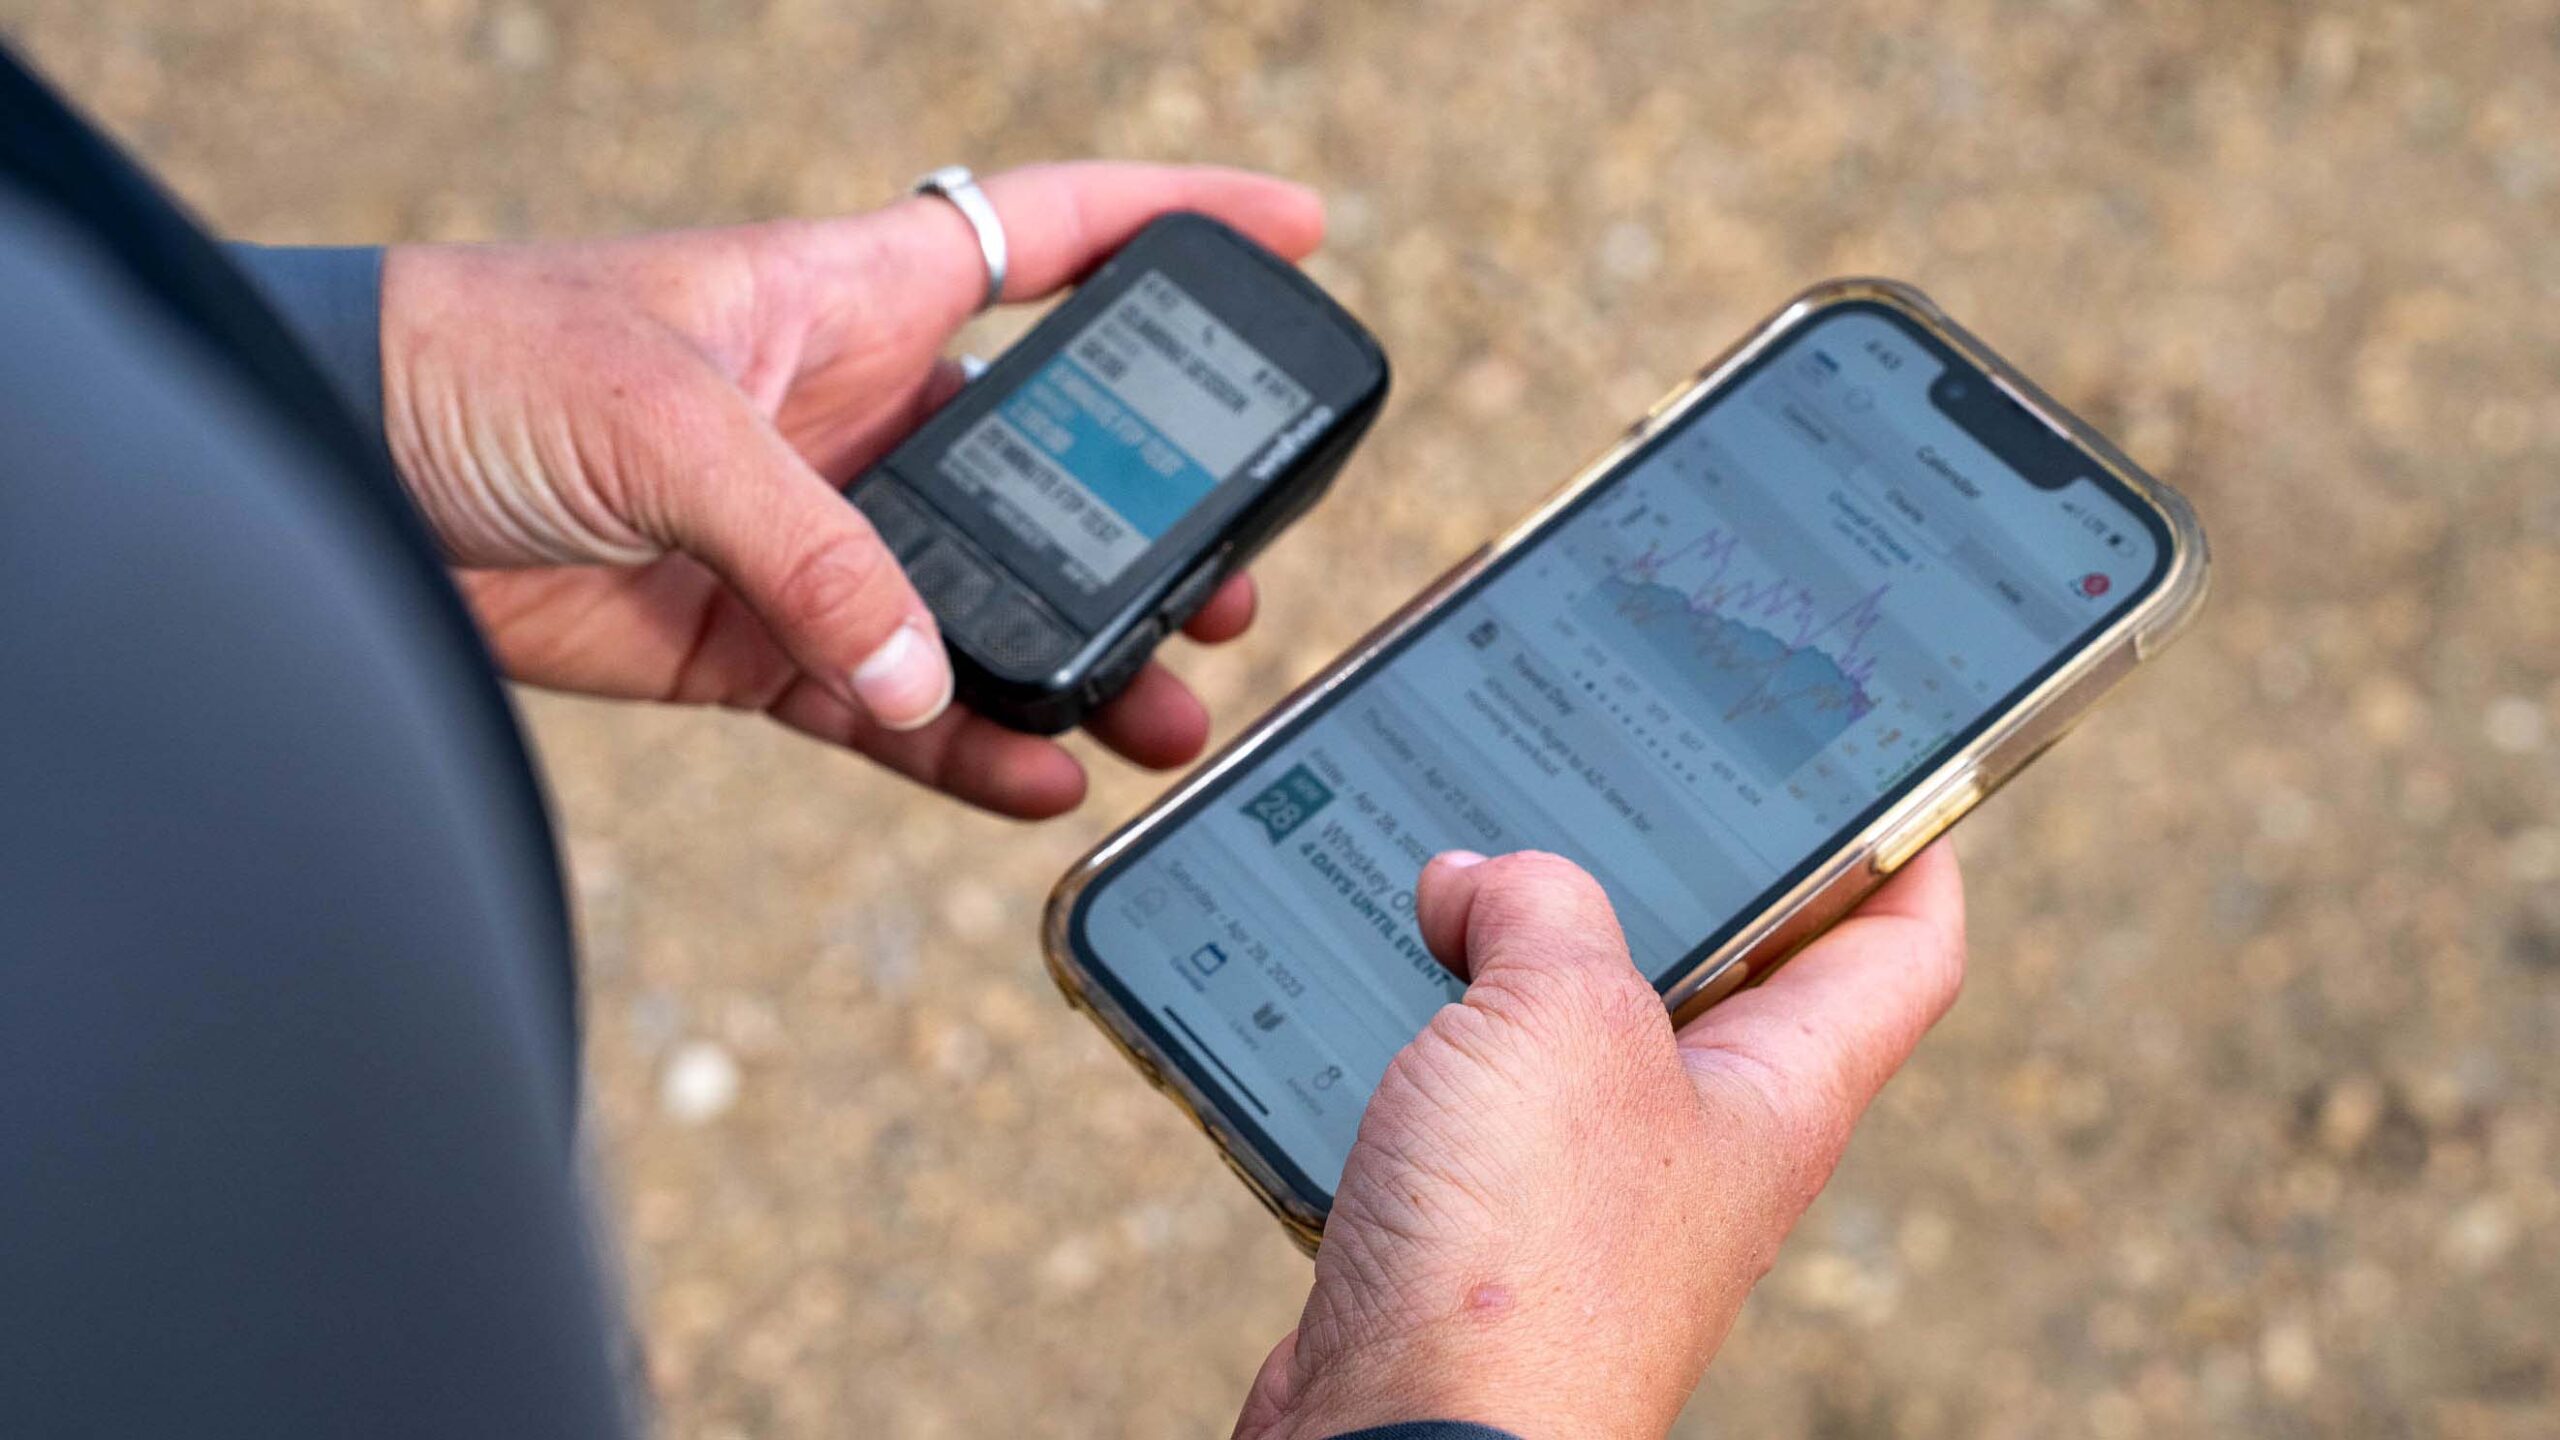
x=1108 y=447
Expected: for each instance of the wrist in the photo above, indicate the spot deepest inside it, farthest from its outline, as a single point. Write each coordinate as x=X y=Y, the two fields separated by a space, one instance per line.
x=1429 y=1431
x=485 y=365
x=415 y=287
x=1497 y=1393
x=1516 y=1374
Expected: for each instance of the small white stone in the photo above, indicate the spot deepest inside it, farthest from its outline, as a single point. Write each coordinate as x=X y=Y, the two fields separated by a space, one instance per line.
x=1823 y=1280
x=1072 y=1266
x=1836 y=1284
x=1629 y=251
x=2350 y=1114
x=2366 y=1289
x=1350 y=219
x=960 y=1051
x=2533 y=856
x=520 y=38
x=974 y=909
x=2284 y=672
x=2479 y=1235
x=2223 y=1378
x=1147 y=1228
x=2289 y=1359
x=2114 y=1415
x=1924 y=1239
x=2514 y=724
x=700 y=1083
x=2287 y=817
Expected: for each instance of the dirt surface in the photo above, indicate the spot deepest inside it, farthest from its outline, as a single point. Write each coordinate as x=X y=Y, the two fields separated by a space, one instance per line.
x=2247 y=1121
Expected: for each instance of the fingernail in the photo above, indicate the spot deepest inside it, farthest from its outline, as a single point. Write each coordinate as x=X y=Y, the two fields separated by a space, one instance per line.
x=906 y=683
x=1461 y=859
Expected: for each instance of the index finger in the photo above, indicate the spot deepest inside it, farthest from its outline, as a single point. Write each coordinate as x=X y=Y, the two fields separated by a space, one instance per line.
x=1060 y=221
x=1226 y=613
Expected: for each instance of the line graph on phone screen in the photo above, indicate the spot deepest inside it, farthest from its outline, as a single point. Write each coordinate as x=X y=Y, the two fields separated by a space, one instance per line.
x=1750 y=647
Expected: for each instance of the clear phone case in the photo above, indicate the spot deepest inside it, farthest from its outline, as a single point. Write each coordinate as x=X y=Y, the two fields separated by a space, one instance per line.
x=1951 y=788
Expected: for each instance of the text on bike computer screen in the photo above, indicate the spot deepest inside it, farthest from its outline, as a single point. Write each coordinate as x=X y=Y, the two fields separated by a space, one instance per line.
x=1722 y=659
x=1122 y=432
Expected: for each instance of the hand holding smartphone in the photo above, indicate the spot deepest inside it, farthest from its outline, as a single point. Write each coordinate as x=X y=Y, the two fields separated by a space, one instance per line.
x=1811 y=609
x=1557 y=1205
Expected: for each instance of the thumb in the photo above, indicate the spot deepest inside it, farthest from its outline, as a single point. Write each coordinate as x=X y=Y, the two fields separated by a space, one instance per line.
x=812 y=569
x=1532 y=929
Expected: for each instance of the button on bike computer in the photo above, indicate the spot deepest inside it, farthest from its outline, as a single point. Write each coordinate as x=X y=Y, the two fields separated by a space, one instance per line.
x=1078 y=501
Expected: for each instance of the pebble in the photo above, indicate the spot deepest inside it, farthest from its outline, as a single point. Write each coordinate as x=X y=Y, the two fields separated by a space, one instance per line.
x=699 y=1084
x=1833 y=1283
x=956 y=1049
x=2289 y=1360
x=1072 y=1266
x=520 y=38
x=2287 y=817
x=1630 y=252
x=2479 y=1235
x=1923 y=1240
x=974 y=910
x=2533 y=856
x=2513 y=724
x=2388 y=710
x=2349 y=1115
x=2114 y=1415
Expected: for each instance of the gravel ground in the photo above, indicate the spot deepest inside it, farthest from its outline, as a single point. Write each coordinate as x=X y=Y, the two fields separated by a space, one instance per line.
x=2246 y=1124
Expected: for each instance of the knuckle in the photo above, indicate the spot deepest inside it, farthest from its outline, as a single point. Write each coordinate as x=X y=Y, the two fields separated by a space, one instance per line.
x=1459 y=1037
x=1502 y=1015
x=1562 y=1029
x=1625 y=1005
x=1544 y=874
x=1535 y=889
x=655 y=429
x=838 y=580
x=1583 y=973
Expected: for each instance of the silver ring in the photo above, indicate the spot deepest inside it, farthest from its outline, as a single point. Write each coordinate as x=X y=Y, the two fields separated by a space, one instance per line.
x=955 y=184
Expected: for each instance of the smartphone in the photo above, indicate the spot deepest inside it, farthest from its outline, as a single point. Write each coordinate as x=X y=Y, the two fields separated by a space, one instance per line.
x=1080 y=500
x=1808 y=611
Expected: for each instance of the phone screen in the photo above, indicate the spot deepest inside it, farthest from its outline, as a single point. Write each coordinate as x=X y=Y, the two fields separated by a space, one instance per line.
x=1723 y=660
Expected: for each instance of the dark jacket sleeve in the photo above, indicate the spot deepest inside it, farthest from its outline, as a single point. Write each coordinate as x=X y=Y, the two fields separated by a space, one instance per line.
x=1429 y=1431
x=332 y=297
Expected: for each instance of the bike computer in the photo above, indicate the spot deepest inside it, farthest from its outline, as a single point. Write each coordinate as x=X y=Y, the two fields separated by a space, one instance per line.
x=1078 y=501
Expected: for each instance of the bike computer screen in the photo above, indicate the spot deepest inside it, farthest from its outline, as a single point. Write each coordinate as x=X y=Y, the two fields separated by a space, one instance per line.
x=1717 y=665
x=1115 y=438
